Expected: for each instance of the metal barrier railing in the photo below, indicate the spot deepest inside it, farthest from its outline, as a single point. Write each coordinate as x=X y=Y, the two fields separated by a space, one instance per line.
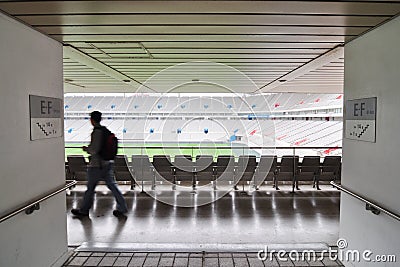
x=33 y=205
x=194 y=150
x=369 y=205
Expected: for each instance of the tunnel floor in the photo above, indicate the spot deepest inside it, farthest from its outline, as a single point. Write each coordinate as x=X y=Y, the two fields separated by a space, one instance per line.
x=265 y=216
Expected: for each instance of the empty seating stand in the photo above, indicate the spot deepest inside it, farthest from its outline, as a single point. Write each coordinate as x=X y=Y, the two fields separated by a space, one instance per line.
x=164 y=170
x=121 y=170
x=142 y=170
x=309 y=170
x=245 y=170
x=184 y=169
x=204 y=169
x=225 y=170
x=266 y=170
x=68 y=175
x=287 y=170
x=77 y=167
x=330 y=169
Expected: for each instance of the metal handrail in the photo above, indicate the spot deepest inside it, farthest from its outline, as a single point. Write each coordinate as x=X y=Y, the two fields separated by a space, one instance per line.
x=33 y=205
x=370 y=205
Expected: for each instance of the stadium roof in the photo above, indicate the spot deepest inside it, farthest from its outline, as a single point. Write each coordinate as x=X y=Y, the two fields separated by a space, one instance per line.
x=283 y=46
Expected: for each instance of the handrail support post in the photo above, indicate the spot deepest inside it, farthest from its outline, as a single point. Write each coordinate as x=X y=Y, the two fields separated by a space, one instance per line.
x=31 y=209
x=372 y=209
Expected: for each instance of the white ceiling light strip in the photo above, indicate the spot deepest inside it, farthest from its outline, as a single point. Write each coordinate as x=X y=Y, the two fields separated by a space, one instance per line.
x=322 y=60
x=77 y=55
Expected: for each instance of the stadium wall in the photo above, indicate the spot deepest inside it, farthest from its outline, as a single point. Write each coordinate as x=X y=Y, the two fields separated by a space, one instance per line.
x=372 y=169
x=31 y=63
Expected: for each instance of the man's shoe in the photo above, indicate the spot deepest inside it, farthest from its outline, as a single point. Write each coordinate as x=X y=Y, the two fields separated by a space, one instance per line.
x=119 y=214
x=78 y=213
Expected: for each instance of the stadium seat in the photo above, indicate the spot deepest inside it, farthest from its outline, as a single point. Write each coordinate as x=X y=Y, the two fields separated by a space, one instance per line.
x=266 y=170
x=77 y=167
x=245 y=169
x=121 y=170
x=308 y=170
x=204 y=169
x=142 y=170
x=287 y=170
x=225 y=170
x=68 y=175
x=184 y=169
x=330 y=169
x=164 y=169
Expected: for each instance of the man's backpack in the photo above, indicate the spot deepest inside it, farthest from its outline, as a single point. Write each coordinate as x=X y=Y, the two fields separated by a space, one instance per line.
x=109 y=148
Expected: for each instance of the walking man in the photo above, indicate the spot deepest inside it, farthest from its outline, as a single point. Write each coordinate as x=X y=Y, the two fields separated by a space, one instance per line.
x=99 y=169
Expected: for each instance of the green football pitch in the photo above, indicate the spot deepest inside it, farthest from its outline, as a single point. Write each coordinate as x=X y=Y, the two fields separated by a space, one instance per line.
x=172 y=149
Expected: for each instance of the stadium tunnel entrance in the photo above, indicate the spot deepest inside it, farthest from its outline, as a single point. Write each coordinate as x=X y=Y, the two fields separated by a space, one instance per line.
x=191 y=201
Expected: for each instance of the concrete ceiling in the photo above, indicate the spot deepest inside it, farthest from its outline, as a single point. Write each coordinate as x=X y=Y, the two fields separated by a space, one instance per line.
x=283 y=46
